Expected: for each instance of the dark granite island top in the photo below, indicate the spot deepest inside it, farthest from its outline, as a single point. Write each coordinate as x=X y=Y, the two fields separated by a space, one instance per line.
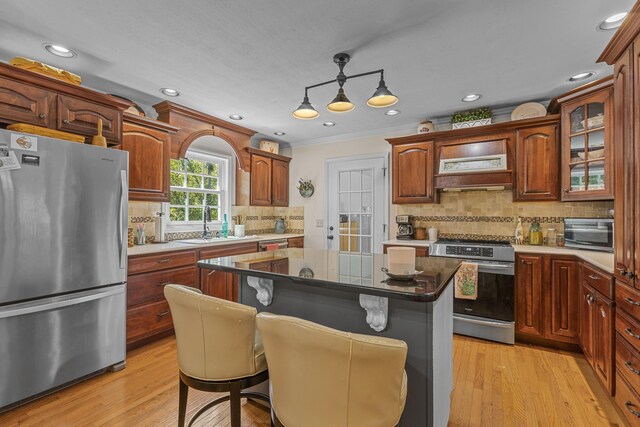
x=341 y=271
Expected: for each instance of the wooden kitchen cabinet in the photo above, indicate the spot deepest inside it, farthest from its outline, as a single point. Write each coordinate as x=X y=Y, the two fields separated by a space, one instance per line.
x=269 y=184
x=537 y=164
x=28 y=97
x=421 y=251
x=413 y=172
x=222 y=284
x=529 y=295
x=587 y=317
x=597 y=333
x=149 y=145
x=295 y=242
x=563 y=313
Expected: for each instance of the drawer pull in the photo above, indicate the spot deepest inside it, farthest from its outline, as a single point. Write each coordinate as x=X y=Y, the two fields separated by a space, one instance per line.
x=163 y=314
x=41 y=115
x=163 y=284
x=627 y=405
x=630 y=332
x=628 y=365
x=162 y=261
x=592 y=277
x=65 y=121
x=630 y=301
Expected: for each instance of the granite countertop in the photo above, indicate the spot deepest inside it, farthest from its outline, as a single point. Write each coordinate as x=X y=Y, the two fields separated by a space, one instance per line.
x=603 y=260
x=342 y=271
x=177 y=245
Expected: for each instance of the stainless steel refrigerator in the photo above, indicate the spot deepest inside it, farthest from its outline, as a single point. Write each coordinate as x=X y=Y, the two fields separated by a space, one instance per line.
x=63 y=263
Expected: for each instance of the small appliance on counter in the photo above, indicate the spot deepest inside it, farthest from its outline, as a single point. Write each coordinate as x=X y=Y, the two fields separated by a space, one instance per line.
x=595 y=234
x=405 y=227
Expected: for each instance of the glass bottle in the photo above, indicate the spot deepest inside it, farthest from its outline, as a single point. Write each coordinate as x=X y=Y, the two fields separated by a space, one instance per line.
x=551 y=237
x=535 y=234
x=225 y=227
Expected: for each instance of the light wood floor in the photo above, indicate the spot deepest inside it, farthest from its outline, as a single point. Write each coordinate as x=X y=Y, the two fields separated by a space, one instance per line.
x=494 y=385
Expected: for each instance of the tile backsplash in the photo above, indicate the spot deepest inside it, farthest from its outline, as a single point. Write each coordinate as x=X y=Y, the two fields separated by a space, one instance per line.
x=257 y=220
x=493 y=214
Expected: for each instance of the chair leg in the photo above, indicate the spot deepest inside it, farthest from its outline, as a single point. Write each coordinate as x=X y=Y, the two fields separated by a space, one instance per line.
x=234 y=403
x=182 y=403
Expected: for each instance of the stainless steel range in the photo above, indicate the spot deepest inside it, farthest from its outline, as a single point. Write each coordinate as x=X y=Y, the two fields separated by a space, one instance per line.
x=491 y=315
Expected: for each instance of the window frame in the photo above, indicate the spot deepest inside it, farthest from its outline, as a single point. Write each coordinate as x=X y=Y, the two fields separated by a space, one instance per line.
x=226 y=182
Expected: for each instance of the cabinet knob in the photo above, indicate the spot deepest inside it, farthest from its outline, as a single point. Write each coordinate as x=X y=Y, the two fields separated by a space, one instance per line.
x=632 y=302
x=629 y=332
x=65 y=121
x=592 y=277
x=629 y=367
x=41 y=115
x=566 y=190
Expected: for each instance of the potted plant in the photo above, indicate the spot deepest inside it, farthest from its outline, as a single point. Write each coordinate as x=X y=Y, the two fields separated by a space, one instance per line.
x=471 y=118
x=305 y=187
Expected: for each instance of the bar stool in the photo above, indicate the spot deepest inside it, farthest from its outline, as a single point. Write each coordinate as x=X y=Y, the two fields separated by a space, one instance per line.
x=219 y=349
x=324 y=377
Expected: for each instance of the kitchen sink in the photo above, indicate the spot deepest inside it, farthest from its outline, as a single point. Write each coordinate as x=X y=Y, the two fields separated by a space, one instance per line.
x=215 y=239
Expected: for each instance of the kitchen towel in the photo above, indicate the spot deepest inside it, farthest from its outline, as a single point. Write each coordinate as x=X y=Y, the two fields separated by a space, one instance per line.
x=466 y=281
x=273 y=246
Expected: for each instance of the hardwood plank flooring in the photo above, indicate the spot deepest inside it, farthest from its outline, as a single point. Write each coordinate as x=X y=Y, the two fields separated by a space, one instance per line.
x=494 y=385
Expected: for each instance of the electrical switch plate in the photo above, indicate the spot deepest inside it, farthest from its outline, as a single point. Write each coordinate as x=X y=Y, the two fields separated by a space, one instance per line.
x=319 y=222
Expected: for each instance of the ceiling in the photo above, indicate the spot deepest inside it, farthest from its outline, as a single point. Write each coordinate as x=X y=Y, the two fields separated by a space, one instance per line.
x=254 y=58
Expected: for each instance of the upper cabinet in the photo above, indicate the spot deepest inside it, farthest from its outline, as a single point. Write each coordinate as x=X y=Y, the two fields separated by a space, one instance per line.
x=537 y=163
x=149 y=145
x=413 y=173
x=269 y=179
x=28 y=97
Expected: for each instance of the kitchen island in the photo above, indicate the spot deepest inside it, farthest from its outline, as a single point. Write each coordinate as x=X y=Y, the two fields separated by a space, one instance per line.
x=349 y=292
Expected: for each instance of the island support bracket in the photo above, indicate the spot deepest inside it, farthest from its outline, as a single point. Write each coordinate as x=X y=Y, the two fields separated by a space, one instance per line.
x=377 y=309
x=264 y=289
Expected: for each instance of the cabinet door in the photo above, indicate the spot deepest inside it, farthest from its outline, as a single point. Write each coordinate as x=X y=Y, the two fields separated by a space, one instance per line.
x=80 y=116
x=413 y=173
x=537 y=163
x=280 y=266
x=149 y=152
x=280 y=183
x=587 y=311
x=625 y=196
x=214 y=283
x=636 y=167
x=604 y=332
x=21 y=103
x=563 y=313
x=529 y=293
x=587 y=151
x=260 y=180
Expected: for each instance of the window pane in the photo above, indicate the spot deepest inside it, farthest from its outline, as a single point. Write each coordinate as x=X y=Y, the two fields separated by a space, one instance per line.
x=177 y=214
x=177 y=165
x=596 y=115
x=355 y=180
x=194 y=181
x=211 y=169
x=196 y=199
x=577 y=177
x=596 y=144
x=194 y=166
x=195 y=214
x=596 y=175
x=211 y=183
x=178 y=197
x=215 y=215
x=212 y=200
x=577 y=120
x=177 y=179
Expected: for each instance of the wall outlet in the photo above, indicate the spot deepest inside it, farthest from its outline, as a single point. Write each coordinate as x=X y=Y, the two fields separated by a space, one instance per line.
x=320 y=222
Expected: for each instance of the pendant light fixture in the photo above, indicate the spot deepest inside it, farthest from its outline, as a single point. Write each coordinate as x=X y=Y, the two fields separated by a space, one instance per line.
x=381 y=98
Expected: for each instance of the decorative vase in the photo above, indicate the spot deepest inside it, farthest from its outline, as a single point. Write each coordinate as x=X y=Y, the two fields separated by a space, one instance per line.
x=425 y=126
x=471 y=123
x=306 y=192
x=238 y=230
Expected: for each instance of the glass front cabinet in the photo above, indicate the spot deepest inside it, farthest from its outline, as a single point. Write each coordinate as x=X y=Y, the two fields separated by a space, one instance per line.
x=587 y=126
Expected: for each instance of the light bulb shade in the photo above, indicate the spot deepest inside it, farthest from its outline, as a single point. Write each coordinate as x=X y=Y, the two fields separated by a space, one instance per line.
x=382 y=97
x=305 y=111
x=341 y=103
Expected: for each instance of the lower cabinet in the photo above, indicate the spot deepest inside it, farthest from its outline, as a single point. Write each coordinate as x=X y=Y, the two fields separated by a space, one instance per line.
x=221 y=284
x=627 y=360
x=529 y=295
x=596 y=333
x=421 y=251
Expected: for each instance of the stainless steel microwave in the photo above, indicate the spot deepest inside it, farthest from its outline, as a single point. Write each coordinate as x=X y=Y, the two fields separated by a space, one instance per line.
x=589 y=233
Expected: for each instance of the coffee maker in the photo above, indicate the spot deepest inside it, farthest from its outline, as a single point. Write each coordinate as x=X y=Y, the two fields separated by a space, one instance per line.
x=405 y=227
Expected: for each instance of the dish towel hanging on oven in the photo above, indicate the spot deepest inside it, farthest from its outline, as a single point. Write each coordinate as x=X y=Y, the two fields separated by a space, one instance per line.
x=466 y=281
x=272 y=246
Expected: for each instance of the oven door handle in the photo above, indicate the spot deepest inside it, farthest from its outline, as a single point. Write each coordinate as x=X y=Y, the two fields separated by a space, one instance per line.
x=494 y=266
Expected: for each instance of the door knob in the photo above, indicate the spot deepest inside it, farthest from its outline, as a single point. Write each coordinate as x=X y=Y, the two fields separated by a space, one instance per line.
x=331 y=228
x=330 y=237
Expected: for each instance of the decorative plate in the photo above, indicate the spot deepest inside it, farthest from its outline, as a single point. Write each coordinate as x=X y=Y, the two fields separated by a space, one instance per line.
x=393 y=276
x=528 y=110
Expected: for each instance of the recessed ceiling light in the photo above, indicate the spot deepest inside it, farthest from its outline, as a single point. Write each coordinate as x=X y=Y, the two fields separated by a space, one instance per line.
x=392 y=112
x=235 y=117
x=471 y=97
x=612 y=22
x=169 y=92
x=279 y=133
x=329 y=124
x=59 y=50
x=580 y=76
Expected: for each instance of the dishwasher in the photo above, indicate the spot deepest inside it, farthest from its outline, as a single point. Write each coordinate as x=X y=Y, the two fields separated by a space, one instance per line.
x=270 y=245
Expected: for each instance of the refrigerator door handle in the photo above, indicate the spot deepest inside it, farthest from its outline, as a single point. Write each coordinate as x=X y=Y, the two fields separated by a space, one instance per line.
x=58 y=302
x=123 y=191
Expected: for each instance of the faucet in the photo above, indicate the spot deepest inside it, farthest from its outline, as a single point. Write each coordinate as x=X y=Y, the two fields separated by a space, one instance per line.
x=207 y=217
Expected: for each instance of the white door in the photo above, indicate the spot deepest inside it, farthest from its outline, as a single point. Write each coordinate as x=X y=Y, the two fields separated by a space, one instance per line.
x=357 y=204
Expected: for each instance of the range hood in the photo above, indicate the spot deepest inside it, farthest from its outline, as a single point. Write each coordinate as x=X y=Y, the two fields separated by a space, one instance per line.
x=480 y=165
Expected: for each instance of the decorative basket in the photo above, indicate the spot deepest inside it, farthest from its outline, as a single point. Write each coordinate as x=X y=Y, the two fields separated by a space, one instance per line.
x=471 y=124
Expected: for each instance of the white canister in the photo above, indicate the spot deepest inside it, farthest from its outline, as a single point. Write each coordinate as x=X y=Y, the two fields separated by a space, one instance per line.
x=158 y=228
x=238 y=230
x=401 y=260
x=433 y=233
